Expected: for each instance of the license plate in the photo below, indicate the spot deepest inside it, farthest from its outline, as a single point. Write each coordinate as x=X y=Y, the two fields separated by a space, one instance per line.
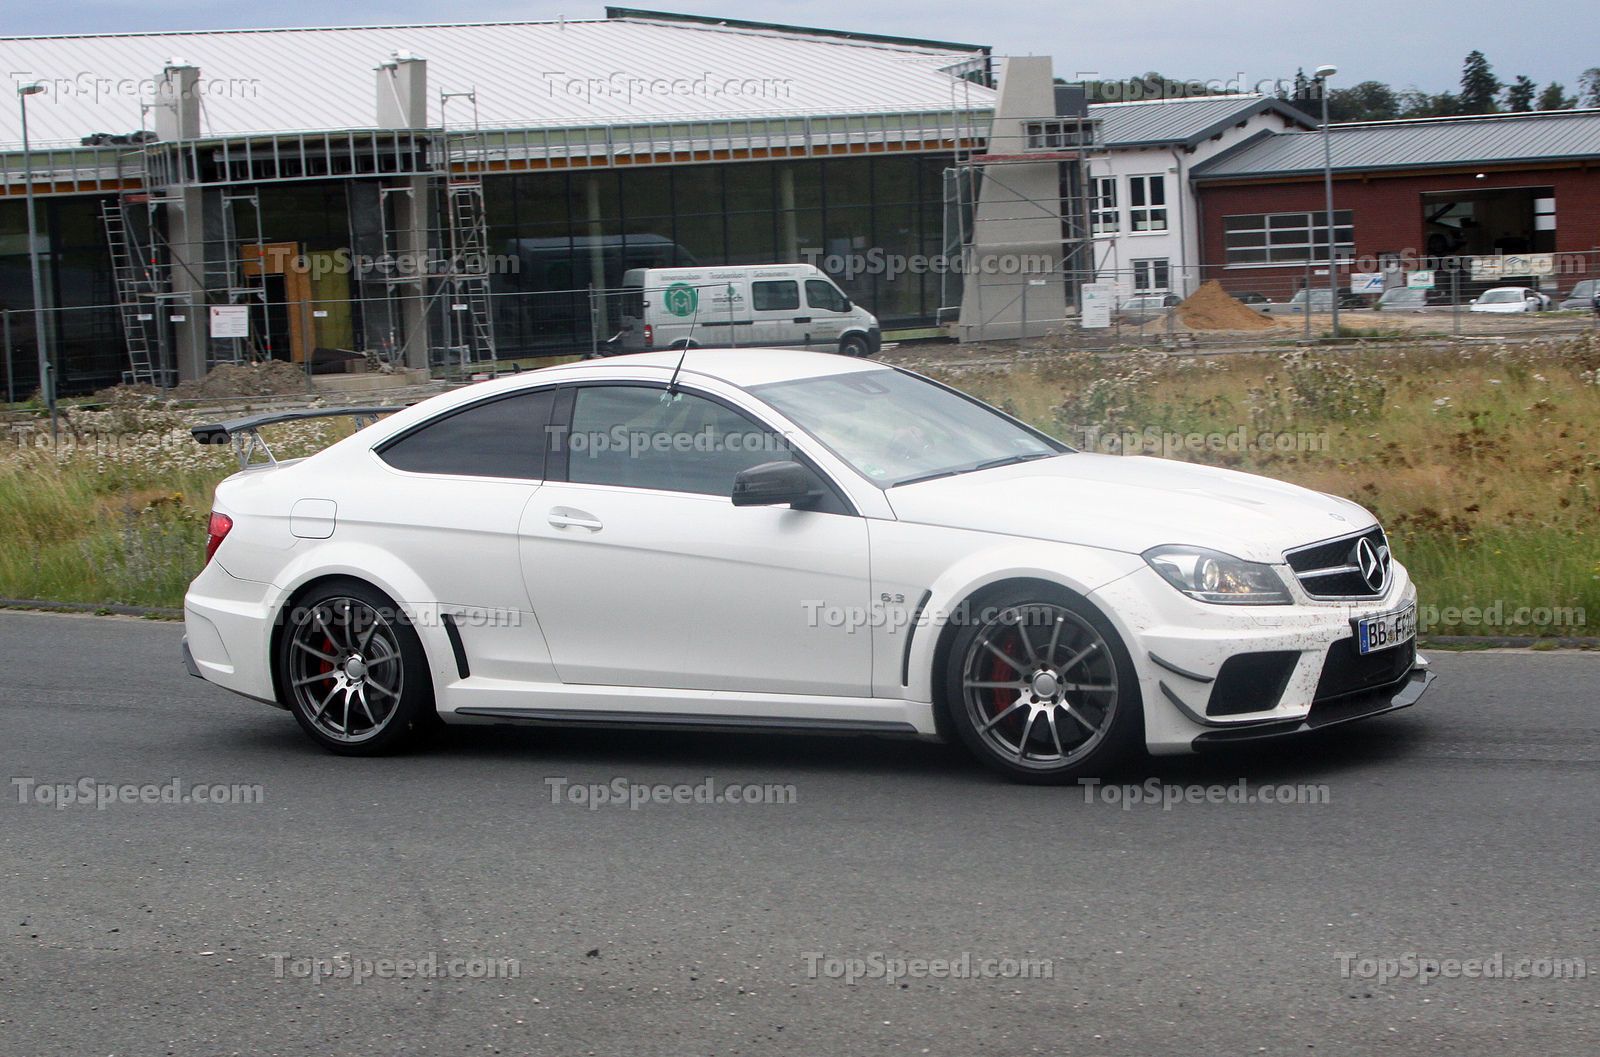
x=1389 y=629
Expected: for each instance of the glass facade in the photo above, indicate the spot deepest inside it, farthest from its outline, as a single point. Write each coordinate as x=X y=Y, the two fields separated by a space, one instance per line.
x=571 y=230
x=859 y=218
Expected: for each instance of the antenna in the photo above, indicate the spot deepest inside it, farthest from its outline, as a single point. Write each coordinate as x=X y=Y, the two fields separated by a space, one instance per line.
x=672 y=383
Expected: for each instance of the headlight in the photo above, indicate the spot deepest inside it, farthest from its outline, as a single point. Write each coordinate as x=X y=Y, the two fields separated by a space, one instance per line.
x=1211 y=576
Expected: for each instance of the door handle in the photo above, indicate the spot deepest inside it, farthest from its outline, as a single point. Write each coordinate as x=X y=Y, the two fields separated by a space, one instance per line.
x=561 y=517
x=802 y=319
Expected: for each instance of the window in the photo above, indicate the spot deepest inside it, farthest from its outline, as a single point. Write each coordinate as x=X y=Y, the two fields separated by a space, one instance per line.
x=639 y=437
x=1152 y=276
x=1053 y=135
x=497 y=438
x=775 y=296
x=1147 y=203
x=893 y=427
x=1105 y=216
x=1286 y=238
x=824 y=295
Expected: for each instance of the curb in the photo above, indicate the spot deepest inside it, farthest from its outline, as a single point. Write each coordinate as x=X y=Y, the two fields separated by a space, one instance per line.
x=99 y=608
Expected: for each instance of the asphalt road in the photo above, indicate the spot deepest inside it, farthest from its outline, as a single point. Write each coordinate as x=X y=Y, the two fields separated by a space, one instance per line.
x=1463 y=828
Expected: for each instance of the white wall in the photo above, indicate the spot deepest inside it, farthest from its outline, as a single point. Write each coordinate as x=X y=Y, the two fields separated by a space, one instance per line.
x=1180 y=243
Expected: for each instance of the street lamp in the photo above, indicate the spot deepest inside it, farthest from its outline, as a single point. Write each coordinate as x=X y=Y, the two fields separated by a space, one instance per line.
x=46 y=383
x=1322 y=76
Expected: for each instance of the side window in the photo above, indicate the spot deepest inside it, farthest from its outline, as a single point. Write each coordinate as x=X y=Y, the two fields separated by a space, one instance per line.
x=775 y=296
x=497 y=438
x=639 y=437
x=824 y=295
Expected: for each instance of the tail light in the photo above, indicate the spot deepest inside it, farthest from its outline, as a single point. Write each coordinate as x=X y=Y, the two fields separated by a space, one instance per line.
x=216 y=531
x=649 y=335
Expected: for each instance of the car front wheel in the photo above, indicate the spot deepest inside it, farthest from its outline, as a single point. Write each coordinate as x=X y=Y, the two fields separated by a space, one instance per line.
x=353 y=672
x=855 y=345
x=1041 y=688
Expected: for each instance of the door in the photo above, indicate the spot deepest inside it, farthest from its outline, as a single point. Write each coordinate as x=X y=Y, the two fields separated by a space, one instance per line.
x=643 y=573
x=829 y=311
x=775 y=312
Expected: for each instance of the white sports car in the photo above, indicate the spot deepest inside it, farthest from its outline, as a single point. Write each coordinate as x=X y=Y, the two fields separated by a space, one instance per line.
x=765 y=539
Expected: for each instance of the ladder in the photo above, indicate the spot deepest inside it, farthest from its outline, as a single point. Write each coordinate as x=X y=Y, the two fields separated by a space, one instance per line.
x=468 y=270
x=243 y=286
x=137 y=297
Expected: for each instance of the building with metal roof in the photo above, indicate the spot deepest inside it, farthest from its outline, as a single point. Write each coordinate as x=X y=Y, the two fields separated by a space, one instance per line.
x=279 y=179
x=1144 y=218
x=1477 y=200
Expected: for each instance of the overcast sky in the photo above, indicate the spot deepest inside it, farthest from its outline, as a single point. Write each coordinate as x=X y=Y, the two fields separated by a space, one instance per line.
x=1231 y=41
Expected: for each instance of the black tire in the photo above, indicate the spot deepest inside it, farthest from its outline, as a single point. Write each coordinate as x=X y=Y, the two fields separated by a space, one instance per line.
x=352 y=670
x=1041 y=737
x=854 y=345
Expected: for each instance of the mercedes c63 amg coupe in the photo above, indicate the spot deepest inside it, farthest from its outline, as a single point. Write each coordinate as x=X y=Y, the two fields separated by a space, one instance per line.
x=760 y=539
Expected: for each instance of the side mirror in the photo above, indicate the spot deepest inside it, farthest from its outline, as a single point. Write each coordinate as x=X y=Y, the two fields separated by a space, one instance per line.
x=774 y=484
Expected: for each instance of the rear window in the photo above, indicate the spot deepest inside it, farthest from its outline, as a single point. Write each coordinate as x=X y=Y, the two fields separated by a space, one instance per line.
x=497 y=438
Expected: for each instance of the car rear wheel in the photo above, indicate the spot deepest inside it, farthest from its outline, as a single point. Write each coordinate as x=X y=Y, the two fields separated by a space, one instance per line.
x=855 y=345
x=353 y=671
x=1040 y=688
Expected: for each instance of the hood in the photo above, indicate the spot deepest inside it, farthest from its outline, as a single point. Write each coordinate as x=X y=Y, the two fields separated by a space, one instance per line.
x=1133 y=503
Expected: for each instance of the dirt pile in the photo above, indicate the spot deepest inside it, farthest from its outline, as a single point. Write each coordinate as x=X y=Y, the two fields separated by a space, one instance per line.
x=272 y=378
x=1212 y=308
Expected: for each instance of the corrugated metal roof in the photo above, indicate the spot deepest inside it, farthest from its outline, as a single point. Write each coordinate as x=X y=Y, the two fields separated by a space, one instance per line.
x=1186 y=122
x=1437 y=142
x=526 y=74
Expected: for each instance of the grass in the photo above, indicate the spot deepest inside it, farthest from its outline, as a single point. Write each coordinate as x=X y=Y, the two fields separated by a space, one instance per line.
x=1484 y=464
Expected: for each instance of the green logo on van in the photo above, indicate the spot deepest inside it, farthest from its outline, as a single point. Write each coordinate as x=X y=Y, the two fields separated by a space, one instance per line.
x=681 y=299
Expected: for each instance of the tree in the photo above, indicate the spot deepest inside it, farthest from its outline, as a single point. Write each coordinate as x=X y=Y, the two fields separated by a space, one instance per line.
x=1367 y=101
x=1589 y=86
x=1555 y=97
x=1519 y=97
x=1415 y=103
x=1479 y=85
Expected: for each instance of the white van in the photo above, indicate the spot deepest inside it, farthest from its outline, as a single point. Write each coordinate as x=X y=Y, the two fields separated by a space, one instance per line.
x=759 y=305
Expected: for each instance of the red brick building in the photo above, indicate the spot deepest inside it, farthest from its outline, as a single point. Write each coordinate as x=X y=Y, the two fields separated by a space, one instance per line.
x=1453 y=194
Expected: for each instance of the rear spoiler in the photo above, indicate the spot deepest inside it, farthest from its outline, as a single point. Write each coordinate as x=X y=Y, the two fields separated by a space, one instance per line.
x=243 y=433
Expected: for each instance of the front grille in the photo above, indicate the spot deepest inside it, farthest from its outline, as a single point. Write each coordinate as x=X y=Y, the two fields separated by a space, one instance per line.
x=1332 y=569
x=1345 y=671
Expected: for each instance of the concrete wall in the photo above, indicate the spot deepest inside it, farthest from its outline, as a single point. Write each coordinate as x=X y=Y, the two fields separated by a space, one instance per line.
x=1018 y=214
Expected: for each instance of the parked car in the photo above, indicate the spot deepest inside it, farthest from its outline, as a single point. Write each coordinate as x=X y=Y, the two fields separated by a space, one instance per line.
x=1321 y=300
x=1143 y=307
x=770 y=539
x=1583 y=296
x=1253 y=299
x=1406 y=299
x=1510 y=299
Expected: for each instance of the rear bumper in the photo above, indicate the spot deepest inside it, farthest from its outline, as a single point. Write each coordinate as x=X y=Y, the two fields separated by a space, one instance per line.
x=1378 y=702
x=188 y=660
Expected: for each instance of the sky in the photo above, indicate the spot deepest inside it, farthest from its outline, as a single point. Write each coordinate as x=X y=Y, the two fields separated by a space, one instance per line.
x=1233 y=43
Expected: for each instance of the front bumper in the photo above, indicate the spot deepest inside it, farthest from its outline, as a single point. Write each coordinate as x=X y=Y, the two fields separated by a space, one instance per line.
x=1212 y=675
x=1330 y=713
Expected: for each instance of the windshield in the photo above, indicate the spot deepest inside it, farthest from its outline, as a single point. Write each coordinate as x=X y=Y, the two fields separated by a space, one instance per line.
x=1500 y=297
x=895 y=428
